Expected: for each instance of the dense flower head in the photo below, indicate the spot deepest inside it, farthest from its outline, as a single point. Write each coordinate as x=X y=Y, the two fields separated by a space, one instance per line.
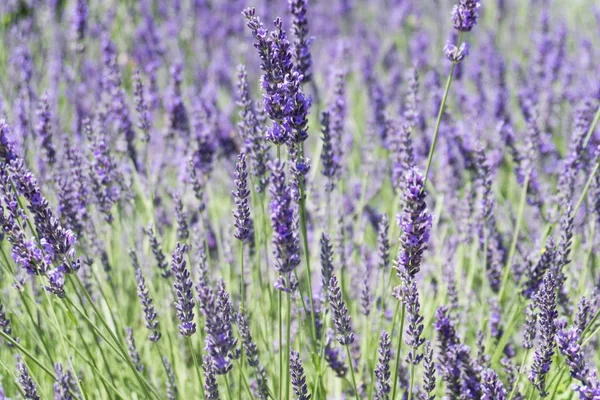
x=286 y=247
x=464 y=15
x=146 y=301
x=382 y=370
x=183 y=290
x=326 y=260
x=492 y=386
x=415 y=222
x=240 y=195
x=341 y=318
x=298 y=378
x=546 y=303
x=302 y=42
x=25 y=381
x=456 y=53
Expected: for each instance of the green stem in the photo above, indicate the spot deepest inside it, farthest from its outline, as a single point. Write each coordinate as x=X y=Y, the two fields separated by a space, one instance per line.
x=439 y=117
x=242 y=277
x=399 y=348
x=196 y=366
x=592 y=128
x=516 y=384
x=280 y=345
x=288 y=344
x=513 y=245
x=352 y=372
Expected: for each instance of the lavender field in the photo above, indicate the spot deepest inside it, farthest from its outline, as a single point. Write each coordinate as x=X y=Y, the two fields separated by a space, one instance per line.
x=299 y=199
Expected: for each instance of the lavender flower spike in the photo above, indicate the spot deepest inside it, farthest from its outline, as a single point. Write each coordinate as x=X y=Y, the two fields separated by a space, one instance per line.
x=382 y=370
x=298 y=377
x=183 y=288
x=302 y=43
x=211 y=388
x=29 y=389
x=416 y=224
x=492 y=386
x=546 y=302
x=341 y=317
x=285 y=233
x=464 y=15
x=241 y=213
x=147 y=306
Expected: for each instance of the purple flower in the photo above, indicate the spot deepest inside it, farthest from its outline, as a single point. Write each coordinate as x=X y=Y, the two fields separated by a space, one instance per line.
x=211 y=387
x=7 y=149
x=335 y=359
x=25 y=381
x=302 y=42
x=134 y=355
x=159 y=256
x=341 y=318
x=141 y=106
x=414 y=331
x=456 y=54
x=382 y=370
x=286 y=247
x=183 y=231
x=220 y=342
x=327 y=155
x=178 y=116
x=568 y=345
x=171 y=381
x=416 y=223
x=428 y=372
x=80 y=15
x=326 y=260
x=252 y=354
x=44 y=129
x=297 y=376
x=251 y=131
x=546 y=302
x=243 y=222
x=147 y=306
x=492 y=387
x=464 y=15
x=383 y=242
x=183 y=290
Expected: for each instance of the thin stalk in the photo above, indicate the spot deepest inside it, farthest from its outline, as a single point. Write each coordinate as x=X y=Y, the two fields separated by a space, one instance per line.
x=288 y=344
x=27 y=353
x=242 y=277
x=588 y=183
x=280 y=346
x=439 y=117
x=229 y=396
x=592 y=128
x=352 y=372
x=516 y=385
x=399 y=348
x=196 y=366
x=513 y=245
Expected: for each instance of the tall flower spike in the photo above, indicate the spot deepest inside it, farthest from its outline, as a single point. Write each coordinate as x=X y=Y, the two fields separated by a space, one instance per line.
x=4 y=320
x=44 y=129
x=568 y=345
x=340 y=314
x=211 y=388
x=492 y=386
x=134 y=355
x=183 y=287
x=416 y=223
x=302 y=42
x=382 y=370
x=327 y=156
x=428 y=373
x=530 y=326
x=178 y=117
x=383 y=242
x=26 y=383
x=183 y=231
x=286 y=247
x=326 y=260
x=62 y=384
x=241 y=213
x=252 y=355
x=464 y=15
x=220 y=342
x=251 y=131
x=297 y=376
x=546 y=302
x=415 y=322
x=159 y=256
x=147 y=307
x=141 y=107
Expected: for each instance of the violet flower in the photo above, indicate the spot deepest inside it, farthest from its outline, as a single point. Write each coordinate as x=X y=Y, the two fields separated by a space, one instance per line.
x=183 y=290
